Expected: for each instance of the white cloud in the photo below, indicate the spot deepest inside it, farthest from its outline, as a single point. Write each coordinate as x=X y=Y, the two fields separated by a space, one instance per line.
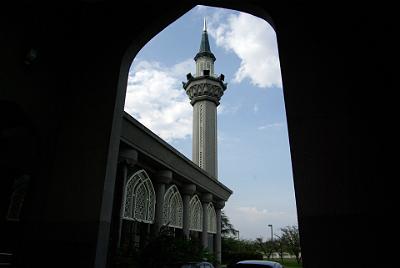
x=252 y=221
x=271 y=126
x=227 y=138
x=228 y=108
x=253 y=40
x=155 y=97
x=252 y=213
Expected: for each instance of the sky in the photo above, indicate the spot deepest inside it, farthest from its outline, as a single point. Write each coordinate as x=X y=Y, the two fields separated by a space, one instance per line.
x=253 y=147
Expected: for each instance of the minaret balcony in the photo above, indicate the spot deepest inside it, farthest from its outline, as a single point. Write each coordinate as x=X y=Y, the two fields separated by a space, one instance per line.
x=205 y=87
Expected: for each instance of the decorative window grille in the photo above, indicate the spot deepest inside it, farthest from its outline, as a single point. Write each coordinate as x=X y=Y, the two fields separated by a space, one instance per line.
x=196 y=214
x=173 y=208
x=139 y=198
x=212 y=219
x=20 y=188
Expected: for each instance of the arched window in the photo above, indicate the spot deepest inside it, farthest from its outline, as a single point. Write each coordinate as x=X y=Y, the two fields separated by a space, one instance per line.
x=212 y=219
x=173 y=208
x=140 y=199
x=196 y=214
x=20 y=188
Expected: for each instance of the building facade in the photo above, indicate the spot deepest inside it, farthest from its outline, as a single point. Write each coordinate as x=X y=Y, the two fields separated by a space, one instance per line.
x=160 y=188
x=157 y=187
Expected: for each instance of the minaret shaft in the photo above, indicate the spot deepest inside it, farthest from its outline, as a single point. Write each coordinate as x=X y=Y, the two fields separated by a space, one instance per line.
x=205 y=136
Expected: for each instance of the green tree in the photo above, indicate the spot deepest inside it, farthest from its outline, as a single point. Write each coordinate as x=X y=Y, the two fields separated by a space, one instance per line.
x=291 y=239
x=167 y=249
x=280 y=246
x=227 y=229
x=233 y=249
x=267 y=247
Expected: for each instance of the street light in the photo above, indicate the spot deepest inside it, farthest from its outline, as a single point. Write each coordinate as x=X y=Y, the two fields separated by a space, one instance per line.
x=272 y=232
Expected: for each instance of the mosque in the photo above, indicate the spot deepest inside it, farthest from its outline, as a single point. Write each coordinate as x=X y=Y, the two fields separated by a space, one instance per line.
x=158 y=186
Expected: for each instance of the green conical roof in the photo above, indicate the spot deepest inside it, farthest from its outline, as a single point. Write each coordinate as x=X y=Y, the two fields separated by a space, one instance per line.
x=204 y=45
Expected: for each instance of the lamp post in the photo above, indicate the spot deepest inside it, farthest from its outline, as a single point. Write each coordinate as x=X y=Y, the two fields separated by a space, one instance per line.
x=272 y=232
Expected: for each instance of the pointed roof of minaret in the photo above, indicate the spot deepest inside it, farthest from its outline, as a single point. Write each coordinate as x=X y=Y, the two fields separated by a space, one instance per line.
x=204 y=44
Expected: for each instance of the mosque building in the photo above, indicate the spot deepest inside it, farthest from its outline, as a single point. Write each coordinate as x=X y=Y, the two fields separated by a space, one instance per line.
x=161 y=187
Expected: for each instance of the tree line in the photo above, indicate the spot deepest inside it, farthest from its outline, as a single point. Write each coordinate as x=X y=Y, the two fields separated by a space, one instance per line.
x=234 y=249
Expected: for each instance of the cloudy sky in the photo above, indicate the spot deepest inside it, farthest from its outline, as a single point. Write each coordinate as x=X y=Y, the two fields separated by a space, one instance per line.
x=253 y=148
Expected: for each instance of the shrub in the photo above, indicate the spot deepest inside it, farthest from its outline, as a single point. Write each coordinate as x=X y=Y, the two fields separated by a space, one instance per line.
x=167 y=249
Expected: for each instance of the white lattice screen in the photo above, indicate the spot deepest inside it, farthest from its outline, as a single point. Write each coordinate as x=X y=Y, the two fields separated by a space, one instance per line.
x=212 y=219
x=140 y=199
x=196 y=214
x=173 y=208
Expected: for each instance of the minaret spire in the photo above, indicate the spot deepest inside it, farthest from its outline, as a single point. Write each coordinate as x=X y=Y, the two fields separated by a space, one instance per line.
x=205 y=50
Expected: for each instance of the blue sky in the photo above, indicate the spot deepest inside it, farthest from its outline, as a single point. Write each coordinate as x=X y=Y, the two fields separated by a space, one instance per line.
x=253 y=147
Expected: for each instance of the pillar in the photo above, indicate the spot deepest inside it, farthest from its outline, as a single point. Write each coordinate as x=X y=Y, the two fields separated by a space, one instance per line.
x=128 y=159
x=217 y=248
x=206 y=198
x=162 y=179
x=187 y=191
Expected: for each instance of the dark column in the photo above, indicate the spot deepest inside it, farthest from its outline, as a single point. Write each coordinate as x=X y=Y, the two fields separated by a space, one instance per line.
x=217 y=249
x=187 y=191
x=206 y=198
x=128 y=159
x=162 y=179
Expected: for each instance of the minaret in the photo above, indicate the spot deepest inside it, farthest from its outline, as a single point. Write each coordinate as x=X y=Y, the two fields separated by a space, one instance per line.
x=205 y=90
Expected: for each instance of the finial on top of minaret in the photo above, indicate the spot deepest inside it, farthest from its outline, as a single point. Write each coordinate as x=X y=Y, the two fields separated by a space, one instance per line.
x=205 y=25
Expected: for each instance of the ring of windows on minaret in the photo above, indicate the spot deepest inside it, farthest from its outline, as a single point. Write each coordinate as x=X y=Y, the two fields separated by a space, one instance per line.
x=204 y=64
